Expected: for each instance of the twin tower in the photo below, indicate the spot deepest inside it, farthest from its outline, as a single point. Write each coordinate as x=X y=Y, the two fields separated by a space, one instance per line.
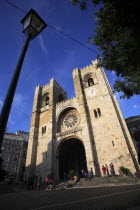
x=80 y=133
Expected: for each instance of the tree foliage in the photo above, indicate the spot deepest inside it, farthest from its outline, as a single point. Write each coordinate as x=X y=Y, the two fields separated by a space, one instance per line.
x=117 y=35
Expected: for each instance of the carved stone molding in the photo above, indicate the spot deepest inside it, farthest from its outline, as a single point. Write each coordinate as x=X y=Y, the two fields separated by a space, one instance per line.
x=68 y=132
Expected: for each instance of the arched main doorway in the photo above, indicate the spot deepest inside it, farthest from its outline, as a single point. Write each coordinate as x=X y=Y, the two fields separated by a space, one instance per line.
x=71 y=157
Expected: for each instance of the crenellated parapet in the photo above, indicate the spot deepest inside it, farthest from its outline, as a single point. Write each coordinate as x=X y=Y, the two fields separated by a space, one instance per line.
x=87 y=68
x=75 y=72
x=90 y=68
x=65 y=102
x=45 y=87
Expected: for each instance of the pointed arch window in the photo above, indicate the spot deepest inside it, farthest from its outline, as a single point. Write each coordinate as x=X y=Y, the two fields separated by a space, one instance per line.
x=47 y=101
x=90 y=82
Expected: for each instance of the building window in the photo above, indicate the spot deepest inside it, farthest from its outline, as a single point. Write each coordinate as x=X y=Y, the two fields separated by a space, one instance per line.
x=43 y=129
x=16 y=150
x=24 y=153
x=97 y=113
x=113 y=143
x=9 y=142
x=18 y=143
x=4 y=167
x=8 y=149
x=13 y=169
x=15 y=158
x=6 y=158
x=47 y=101
x=90 y=82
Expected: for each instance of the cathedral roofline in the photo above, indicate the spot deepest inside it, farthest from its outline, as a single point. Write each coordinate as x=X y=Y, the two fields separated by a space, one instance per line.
x=53 y=80
x=94 y=63
x=65 y=101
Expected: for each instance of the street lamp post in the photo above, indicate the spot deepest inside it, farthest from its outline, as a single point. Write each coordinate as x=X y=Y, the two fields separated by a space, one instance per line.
x=32 y=26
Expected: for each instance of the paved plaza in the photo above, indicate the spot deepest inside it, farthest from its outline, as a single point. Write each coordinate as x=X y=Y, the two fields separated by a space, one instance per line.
x=115 y=197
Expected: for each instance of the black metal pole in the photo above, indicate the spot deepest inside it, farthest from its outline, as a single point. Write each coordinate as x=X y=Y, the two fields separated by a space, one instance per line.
x=11 y=92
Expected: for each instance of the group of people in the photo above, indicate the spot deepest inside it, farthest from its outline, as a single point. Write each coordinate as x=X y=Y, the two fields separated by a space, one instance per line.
x=87 y=174
x=49 y=183
x=33 y=182
x=106 y=172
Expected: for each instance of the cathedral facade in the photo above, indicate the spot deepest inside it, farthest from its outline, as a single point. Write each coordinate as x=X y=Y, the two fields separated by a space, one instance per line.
x=80 y=133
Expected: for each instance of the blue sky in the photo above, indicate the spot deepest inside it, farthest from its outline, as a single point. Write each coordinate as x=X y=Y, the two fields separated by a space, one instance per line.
x=49 y=55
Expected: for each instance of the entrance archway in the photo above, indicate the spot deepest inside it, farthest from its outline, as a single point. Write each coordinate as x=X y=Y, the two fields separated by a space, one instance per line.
x=71 y=157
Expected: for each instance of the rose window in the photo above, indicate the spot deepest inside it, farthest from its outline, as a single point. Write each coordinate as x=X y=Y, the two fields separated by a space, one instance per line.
x=70 y=120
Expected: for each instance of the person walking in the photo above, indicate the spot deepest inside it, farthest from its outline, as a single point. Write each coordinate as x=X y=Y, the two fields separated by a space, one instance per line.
x=47 y=183
x=82 y=173
x=86 y=175
x=52 y=184
x=107 y=171
x=112 y=169
x=39 y=182
x=91 y=173
x=104 y=170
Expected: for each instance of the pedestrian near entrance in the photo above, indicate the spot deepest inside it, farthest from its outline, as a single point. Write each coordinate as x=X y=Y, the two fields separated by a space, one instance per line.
x=104 y=170
x=107 y=171
x=47 y=183
x=39 y=182
x=86 y=175
x=90 y=174
x=112 y=171
x=52 y=186
x=82 y=173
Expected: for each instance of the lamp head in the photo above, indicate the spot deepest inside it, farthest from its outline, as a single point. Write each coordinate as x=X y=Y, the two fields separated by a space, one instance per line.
x=32 y=24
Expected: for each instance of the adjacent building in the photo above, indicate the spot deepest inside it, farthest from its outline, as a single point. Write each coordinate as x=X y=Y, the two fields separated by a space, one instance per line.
x=14 y=150
x=133 y=124
x=80 y=133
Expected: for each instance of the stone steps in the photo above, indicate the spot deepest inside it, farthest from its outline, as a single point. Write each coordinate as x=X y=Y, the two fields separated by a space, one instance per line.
x=106 y=181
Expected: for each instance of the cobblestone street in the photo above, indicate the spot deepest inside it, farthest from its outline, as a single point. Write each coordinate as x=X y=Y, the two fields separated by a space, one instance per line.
x=117 y=197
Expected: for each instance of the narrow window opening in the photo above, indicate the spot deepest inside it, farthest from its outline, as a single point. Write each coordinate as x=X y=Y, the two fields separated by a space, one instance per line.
x=8 y=149
x=13 y=169
x=43 y=129
x=99 y=112
x=7 y=157
x=15 y=158
x=90 y=82
x=4 y=167
x=95 y=113
x=47 y=101
x=113 y=143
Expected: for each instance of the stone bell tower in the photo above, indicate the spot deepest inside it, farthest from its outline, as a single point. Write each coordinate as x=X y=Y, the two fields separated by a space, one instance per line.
x=42 y=139
x=104 y=124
